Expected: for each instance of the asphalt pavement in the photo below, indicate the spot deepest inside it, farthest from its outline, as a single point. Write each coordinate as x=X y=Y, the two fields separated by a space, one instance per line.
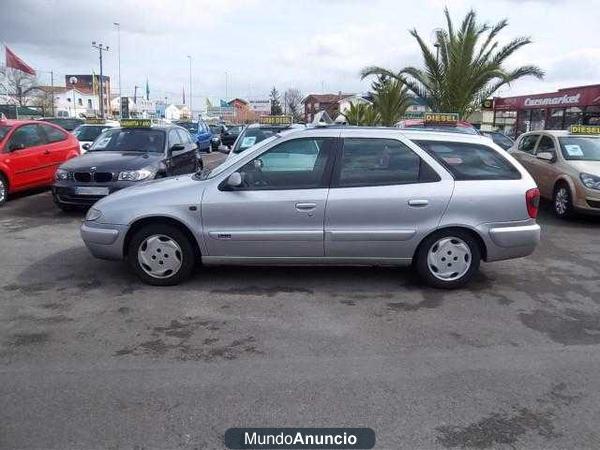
x=91 y=358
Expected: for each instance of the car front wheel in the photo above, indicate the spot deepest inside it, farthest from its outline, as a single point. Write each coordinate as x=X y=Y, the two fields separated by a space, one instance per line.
x=448 y=259
x=161 y=255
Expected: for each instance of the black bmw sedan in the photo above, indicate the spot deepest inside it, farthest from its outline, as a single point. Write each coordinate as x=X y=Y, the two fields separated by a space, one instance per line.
x=120 y=157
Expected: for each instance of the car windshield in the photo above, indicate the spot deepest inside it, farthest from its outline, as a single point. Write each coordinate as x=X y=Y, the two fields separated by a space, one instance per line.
x=235 y=130
x=253 y=136
x=206 y=173
x=503 y=141
x=130 y=140
x=3 y=131
x=215 y=129
x=580 y=148
x=88 y=132
x=192 y=127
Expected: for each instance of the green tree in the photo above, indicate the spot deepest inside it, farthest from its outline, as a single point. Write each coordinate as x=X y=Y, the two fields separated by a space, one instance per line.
x=468 y=69
x=361 y=114
x=275 y=102
x=390 y=100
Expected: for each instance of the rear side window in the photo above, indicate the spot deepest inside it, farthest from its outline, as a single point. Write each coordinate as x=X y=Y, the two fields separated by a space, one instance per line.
x=466 y=161
x=527 y=144
x=54 y=134
x=380 y=162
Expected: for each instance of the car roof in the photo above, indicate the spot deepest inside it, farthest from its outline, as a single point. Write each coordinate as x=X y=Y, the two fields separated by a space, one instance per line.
x=392 y=132
x=559 y=133
x=14 y=122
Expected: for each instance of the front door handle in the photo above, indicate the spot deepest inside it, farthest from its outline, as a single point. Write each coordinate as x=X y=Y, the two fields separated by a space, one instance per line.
x=46 y=152
x=418 y=202
x=305 y=206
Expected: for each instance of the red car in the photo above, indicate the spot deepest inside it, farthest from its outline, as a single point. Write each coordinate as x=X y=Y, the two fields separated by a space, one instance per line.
x=30 y=152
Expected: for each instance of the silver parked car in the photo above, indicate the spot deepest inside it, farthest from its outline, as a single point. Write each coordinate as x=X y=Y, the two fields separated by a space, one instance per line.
x=345 y=196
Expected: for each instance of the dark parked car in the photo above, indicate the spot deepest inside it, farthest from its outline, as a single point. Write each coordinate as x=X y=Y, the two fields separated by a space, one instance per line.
x=500 y=139
x=230 y=134
x=67 y=123
x=122 y=157
x=216 y=130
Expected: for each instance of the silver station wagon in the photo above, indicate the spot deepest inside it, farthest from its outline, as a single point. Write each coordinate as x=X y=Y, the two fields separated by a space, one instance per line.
x=345 y=196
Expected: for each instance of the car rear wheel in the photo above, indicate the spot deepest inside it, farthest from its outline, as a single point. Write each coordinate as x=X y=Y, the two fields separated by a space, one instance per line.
x=448 y=259
x=161 y=255
x=3 y=189
x=562 y=202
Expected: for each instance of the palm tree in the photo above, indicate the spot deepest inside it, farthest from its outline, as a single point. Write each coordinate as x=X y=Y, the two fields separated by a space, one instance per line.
x=361 y=114
x=390 y=100
x=468 y=69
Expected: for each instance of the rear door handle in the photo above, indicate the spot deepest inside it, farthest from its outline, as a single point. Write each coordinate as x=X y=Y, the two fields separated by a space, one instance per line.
x=418 y=202
x=46 y=152
x=305 y=206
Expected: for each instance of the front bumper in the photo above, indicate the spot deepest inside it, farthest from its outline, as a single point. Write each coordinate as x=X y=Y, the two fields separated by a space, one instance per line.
x=64 y=192
x=104 y=241
x=507 y=240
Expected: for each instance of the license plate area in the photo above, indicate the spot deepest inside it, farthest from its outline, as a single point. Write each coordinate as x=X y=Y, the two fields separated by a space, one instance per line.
x=91 y=190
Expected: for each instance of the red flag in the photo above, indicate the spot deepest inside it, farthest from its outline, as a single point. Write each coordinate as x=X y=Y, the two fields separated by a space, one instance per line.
x=15 y=62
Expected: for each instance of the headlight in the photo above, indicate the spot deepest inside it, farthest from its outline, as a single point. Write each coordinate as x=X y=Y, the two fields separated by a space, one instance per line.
x=61 y=175
x=93 y=214
x=590 y=181
x=215 y=139
x=136 y=175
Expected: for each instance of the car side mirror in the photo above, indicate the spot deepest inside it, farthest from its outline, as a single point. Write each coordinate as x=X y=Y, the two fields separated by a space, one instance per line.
x=176 y=148
x=234 y=180
x=86 y=146
x=545 y=156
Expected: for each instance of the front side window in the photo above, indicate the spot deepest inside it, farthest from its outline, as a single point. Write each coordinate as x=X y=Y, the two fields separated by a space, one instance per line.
x=184 y=137
x=25 y=137
x=527 y=143
x=3 y=131
x=546 y=144
x=174 y=138
x=466 y=161
x=376 y=162
x=580 y=148
x=294 y=164
x=53 y=134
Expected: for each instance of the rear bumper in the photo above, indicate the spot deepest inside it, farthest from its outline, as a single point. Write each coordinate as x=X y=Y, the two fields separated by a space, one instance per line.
x=508 y=240
x=103 y=240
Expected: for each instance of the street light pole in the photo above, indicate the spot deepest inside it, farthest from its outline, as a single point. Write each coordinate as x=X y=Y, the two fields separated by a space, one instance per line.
x=191 y=101
x=118 y=25
x=101 y=48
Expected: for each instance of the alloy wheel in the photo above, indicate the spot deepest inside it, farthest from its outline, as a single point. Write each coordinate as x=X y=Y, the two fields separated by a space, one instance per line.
x=561 y=201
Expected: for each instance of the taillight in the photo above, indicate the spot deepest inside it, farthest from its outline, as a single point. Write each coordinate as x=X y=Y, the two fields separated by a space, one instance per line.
x=532 y=199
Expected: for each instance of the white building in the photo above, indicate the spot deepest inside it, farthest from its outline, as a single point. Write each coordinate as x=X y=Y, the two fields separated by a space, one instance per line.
x=141 y=108
x=177 y=112
x=73 y=102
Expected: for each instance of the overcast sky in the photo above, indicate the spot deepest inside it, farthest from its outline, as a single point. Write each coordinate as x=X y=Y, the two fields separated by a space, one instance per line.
x=307 y=44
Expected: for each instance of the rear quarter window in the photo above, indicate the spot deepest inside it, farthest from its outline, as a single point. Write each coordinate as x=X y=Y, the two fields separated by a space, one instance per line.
x=467 y=161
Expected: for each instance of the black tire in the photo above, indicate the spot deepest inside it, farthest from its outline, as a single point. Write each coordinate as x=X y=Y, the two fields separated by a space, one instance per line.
x=186 y=257
x=3 y=189
x=562 y=201
x=427 y=273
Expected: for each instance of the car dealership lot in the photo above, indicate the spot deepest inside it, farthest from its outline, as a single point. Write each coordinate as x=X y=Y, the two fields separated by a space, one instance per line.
x=92 y=358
